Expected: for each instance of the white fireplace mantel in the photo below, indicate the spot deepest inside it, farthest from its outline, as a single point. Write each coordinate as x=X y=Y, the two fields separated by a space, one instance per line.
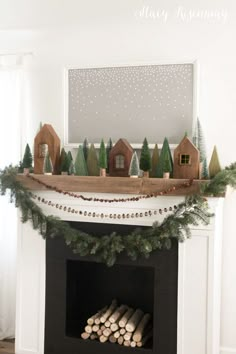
x=199 y=283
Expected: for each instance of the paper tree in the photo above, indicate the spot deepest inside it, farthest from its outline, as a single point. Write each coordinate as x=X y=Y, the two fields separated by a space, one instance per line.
x=92 y=162
x=80 y=163
x=214 y=165
x=85 y=148
x=155 y=159
x=64 y=161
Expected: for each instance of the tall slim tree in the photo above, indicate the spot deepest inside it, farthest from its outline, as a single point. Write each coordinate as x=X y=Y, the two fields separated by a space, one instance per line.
x=102 y=155
x=85 y=148
x=214 y=165
x=199 y=142
x=92 y=162
x=47 y=166
x=145 y=157
x=164 y=156
x=27 y=159
x=80 y=163
x=155 y=159
x=70 y=158
x=134 y=165
x=64 y=161
x=108 y=150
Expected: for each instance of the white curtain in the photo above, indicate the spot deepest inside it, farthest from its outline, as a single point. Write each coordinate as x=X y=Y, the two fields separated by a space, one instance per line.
x=10 y=136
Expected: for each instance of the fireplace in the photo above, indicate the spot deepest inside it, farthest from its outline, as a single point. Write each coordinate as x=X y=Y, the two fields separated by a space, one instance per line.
x=77 y=287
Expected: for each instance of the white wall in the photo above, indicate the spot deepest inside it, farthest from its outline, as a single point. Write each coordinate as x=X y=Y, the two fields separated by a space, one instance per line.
x=105 y=33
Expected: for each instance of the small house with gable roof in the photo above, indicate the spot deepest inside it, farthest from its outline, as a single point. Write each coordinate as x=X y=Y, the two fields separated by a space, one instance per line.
x=119 y=158
x=46 y=140
x=186 y=160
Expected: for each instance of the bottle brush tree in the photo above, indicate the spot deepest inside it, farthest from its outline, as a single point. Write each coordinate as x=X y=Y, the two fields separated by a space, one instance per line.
x=199 y=142
x=47 y=166
x=145 y=157
x=92 y=162
x=155 y=159
x=72 y=168
x=85 y=148
x=27 y=159
x=64 y=161
x=80 y=163
x=214 y=165
x=134 y=166
x=108 y=150
x=165 y=155
x=102 y=157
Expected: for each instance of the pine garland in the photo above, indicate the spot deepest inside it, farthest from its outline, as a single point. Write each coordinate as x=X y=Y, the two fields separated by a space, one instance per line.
x=140 y=242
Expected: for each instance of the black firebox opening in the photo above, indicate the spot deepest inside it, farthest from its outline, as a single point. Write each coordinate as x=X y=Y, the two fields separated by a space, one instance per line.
x=91 y=286
x=76 y=287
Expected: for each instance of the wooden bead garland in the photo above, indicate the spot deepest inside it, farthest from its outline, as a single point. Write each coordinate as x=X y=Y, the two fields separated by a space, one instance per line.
x=102 y=215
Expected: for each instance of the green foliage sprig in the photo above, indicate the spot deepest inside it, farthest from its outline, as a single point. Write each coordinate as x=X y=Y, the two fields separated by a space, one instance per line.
x=140 y=242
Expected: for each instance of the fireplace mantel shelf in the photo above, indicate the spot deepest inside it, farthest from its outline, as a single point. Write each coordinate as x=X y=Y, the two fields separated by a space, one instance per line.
x=114 y=185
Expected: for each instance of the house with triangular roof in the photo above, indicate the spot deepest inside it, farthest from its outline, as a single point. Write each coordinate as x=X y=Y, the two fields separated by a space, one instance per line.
x=46 y=140
x=119 y=158
x=186 y=160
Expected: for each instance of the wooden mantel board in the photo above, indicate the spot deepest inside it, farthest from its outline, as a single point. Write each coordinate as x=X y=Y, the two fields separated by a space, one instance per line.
x=115 y=185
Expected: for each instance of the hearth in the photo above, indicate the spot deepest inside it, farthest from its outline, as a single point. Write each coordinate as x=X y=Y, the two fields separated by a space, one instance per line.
x=77 y=287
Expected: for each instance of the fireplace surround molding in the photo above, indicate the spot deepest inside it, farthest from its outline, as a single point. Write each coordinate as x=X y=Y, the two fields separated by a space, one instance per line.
x=199 y=271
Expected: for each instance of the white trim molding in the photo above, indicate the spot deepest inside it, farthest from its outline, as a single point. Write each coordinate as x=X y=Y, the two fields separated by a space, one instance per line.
x=224 y=350
x=198 y=286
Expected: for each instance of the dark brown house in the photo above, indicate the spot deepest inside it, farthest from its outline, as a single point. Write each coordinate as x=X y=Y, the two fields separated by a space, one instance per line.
x=119 y=158
x=46 y=140
x=186 y=160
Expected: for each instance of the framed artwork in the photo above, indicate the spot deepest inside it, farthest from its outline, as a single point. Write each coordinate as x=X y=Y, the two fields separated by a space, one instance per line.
x=131 y=102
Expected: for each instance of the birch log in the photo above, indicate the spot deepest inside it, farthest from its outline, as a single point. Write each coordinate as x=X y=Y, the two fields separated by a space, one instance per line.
x=124 y=319
x=109 y=311
x=134 y=321
x=118 y=313
x=138 y=334
x=145 y=339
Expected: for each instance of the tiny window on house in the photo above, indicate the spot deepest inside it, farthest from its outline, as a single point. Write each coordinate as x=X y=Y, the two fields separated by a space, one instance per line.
x=120 y=161
x=185 y=159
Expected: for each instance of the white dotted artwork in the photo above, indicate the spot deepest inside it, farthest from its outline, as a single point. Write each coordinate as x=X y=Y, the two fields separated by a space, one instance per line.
x=132 y=102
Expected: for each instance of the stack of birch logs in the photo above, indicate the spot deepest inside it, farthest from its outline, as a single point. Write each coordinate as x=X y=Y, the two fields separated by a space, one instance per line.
x=119 y=324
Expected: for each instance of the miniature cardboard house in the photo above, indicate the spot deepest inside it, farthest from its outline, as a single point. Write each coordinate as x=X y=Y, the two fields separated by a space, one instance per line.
x=120 y=158
x=46 y=141
x=186 y=160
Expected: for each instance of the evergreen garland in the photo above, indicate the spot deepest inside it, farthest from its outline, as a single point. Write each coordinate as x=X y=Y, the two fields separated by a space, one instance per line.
x=140 y=242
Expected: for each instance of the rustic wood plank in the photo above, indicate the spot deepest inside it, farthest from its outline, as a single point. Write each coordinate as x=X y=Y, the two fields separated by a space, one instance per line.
x=115 y=185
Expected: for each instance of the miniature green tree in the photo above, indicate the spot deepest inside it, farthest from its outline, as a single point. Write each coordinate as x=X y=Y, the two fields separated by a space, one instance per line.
x=80 y=163
x=70 y=158
x=134 y=166
x=64 y=161
x=155 y=159
x=214 y=166
x=27 y=159
x=199 y=142
x=167 y=167
x=165 y=151
x=72 y=168
x=108 y=150
x=47 y=166
x=102 y=156
x=145 y=157
x=92 y=162
x=85 y=148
